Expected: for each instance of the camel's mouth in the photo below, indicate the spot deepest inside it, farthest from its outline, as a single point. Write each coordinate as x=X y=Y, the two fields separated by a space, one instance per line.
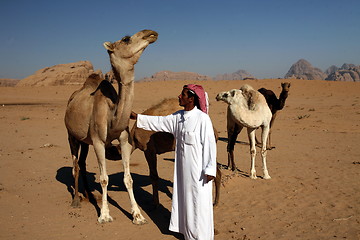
x=221 y=96
x=151 y=36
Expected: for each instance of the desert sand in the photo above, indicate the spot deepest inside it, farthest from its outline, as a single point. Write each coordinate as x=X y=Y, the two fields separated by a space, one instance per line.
x=314 y=192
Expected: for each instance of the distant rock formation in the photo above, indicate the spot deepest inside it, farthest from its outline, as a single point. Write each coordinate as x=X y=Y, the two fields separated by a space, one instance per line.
x=347 y=73
x=6 y=82
x=62 y=74
x=169 y=75
x=302 y=69
x=238 y=75
x=347 y=66
x=331 y=70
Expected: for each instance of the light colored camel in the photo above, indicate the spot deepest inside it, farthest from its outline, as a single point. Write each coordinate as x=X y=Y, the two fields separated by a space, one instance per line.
x=275 y=105
x=97 y=114
x=153 y=143
x=247 y=108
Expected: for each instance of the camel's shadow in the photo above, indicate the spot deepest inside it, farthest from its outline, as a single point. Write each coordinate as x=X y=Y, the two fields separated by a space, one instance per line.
x=223 y=139
x=159 y=215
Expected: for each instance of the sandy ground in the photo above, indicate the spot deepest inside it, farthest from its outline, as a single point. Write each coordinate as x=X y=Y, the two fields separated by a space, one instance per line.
x=314 y=192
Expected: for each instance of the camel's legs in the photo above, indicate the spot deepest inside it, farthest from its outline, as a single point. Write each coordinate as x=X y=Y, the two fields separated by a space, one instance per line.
x=264 y=136
x=99 y=147
x=74 y=148
x=233 y=132
x=269 y=145
x=82 y=164
x=152 y=162
x=125 y=153
x=251 y=135
x=217 y=182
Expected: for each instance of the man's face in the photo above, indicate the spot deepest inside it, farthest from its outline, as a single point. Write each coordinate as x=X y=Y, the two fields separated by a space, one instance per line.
x=184 y=100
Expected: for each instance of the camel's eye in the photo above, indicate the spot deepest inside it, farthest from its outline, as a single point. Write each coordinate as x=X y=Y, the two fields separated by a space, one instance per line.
x=126 y=39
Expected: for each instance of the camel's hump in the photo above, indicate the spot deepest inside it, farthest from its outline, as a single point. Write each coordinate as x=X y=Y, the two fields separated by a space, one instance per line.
x=93 y=81
x=163 y=108
x=254 y=98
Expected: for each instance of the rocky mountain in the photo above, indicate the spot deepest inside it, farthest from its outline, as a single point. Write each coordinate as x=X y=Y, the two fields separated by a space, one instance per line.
x=239 y=75
x=169 y=75
x=62 y=74
x=302 y=69
x=347 y=73
x=331 y=70
x=5 y=82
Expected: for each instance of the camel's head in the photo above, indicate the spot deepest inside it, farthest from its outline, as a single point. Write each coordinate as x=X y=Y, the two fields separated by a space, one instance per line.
x=129 y=49
x=285 y=86
x=230 y=96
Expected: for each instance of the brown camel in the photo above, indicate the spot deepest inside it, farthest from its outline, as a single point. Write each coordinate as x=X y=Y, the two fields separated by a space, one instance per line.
x=97 y=114
x=153 y=143
x=246 y=108
x=275 y=105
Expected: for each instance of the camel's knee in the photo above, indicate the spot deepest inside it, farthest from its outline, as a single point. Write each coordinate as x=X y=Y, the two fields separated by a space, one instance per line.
x=253 y=152
x=75 y=169
x=153 y=172
x=104 y=180
x=263 y=152
x=128 y=181
x=230 y=147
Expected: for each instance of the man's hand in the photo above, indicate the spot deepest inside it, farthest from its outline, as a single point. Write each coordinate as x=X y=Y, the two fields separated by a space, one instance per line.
x=133 y=115
x=209 y=178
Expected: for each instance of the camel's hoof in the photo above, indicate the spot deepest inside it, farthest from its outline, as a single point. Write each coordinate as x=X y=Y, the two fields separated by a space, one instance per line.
x=253 y=177
x=139 y=220
x=76 y=203
x=105 y=219
x=266 y=174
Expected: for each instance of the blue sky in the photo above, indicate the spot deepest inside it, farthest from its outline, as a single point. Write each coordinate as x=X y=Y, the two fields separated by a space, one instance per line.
x=263 y=37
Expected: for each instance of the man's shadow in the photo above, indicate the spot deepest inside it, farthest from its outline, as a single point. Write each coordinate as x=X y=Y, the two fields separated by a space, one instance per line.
x=159 y=215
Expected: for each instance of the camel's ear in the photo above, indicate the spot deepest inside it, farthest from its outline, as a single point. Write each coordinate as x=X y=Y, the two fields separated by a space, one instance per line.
x=108 y=46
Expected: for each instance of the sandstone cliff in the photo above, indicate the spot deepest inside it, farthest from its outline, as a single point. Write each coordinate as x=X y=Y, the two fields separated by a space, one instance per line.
x=62 y=74
x=5 y=82
x=238 y=75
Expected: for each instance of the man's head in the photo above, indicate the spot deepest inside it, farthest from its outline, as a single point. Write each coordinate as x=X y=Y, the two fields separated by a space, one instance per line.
x=197 y=95
x=187 y=99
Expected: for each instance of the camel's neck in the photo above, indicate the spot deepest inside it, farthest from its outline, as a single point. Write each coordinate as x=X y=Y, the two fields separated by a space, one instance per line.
x=125 y=81
x=282 y=98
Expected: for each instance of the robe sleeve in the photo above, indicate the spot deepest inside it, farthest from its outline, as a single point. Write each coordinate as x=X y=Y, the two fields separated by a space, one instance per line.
x=157 y=123
x=209 y=148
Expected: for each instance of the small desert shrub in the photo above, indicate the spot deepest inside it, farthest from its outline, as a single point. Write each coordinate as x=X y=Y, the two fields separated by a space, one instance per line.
x=303 y=116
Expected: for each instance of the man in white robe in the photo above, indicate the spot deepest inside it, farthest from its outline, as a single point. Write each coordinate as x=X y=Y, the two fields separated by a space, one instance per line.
x=195 y=163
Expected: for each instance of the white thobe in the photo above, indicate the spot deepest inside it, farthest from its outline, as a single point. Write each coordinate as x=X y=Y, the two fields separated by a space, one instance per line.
x=192 y=209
